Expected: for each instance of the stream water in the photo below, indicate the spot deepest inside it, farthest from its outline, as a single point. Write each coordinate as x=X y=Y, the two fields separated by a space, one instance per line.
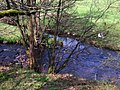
x=90 y=62
x=87 y=61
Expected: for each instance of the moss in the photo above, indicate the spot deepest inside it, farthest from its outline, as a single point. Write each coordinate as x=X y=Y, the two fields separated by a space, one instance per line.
x=10 y=12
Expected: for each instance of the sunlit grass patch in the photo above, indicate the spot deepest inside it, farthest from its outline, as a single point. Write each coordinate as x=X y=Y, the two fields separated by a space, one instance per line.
x=96 y=7
x=111 y=39
x=9 y=33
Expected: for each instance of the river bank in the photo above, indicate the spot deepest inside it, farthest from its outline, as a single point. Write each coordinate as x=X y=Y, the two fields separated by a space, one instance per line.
x=21 y=79
x=87 y=40
x=102 y=43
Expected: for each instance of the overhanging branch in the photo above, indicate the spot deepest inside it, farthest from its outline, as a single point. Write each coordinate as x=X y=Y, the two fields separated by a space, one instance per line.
x=12 y=12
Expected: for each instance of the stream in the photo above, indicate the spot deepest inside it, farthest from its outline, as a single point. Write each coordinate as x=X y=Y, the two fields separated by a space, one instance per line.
x=87 y=61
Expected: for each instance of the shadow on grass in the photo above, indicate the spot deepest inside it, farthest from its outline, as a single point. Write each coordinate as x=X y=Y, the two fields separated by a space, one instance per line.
x=6 y=74
x=22 y=79
x=67 y=82
x=15 y=74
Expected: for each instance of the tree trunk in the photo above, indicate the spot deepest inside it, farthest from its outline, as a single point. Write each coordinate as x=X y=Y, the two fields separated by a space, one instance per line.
x=32 y=57
x=52 y=60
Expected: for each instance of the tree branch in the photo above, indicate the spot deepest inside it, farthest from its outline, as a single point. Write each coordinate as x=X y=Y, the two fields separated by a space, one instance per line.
x=11 y=12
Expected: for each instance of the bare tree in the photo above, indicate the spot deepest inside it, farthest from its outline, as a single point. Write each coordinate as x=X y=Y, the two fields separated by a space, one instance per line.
x=36 y=18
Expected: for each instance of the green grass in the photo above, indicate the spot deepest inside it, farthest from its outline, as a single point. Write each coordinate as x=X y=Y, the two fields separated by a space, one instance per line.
x=111 y=18
x=94 y=7
x=9 y=33
x=112 y=39
x=22 y=79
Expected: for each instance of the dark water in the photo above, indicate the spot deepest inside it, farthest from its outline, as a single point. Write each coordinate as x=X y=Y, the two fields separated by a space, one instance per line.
x=87 y=61
x=91 y=62
x=10 y=52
